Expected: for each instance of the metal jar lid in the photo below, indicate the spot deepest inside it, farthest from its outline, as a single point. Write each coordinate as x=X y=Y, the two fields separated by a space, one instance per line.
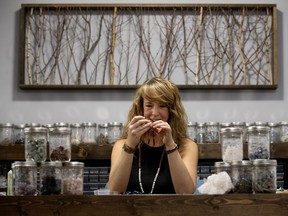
x=283 y=123
x=24 y=163
x=76 y=125
x=241 y=163
x=73 y=164
x=89 y=124
x=51 y=164
x=258 y=128
x=221 y=164
x=190 y=124
x=7 y=125
x=111 y=124
x=35 y=130
x=264 y=162
x=60 y=130
x=212 y=123
x=231 y=130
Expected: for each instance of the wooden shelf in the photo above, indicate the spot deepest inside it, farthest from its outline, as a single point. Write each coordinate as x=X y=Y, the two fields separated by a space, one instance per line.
x=103 y=152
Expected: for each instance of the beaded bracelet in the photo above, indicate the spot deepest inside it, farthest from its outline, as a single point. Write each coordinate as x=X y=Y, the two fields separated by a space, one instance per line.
x=128 y=149
x=172 y=150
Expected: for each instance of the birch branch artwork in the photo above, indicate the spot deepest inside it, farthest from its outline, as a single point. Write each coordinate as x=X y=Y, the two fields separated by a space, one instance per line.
x=121 y=45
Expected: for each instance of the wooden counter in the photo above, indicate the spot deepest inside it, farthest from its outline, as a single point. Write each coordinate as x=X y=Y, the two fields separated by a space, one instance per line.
x=204 y=205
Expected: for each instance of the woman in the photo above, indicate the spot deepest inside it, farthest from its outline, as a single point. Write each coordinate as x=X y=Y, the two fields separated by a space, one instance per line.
x=154 y=154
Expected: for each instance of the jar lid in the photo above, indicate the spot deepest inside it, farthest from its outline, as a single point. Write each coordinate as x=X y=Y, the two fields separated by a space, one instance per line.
x=231 y=130
x=103 y=125
x=35 y=130
x=264 y=162
x=60 y=124
x=260 y=123
x=241 y=163
x=73 y=164
x=212 y=123
x=62 y=130
x=89 y=124
x=226 y=124
x=201 y=124
x=23 y=163
x=51 y=163
x=76 y=125
x=20 y=126
x=33 y=124
x=283 y=122
x=258 y=128
x=114 y=124
x=238 y=123
x=271 y=124
x=190 y=123
x=7 y=125
x=221 y=164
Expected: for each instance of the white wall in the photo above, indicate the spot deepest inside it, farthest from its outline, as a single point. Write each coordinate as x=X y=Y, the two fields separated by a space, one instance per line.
x=100 y=106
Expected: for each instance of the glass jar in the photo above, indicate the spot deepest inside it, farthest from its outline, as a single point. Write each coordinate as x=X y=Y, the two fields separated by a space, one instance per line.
x=274 y=132
x=24 y=175
x=283 y=127
x=102 y=138
x=36 y=144
x=76 y=133
x=114 y=131
x=222 y=166
x=200 y=133
x=258 y=142
x=241 y=125
x=50 y=178
x=192 y=130
x=242 y=176
x=89 y=132
x=6 y=134
x=60 y=144
x=212 y=132
x=265 y=176
x=19 y=136
x=72 y=178
x=231 y=144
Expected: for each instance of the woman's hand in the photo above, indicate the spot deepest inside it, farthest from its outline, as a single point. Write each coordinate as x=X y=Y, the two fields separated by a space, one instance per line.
x=163 y=129
x=136 y=128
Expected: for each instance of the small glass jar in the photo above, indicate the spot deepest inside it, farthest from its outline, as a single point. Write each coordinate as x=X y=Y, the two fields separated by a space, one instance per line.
x=19 y=136
x=200 y=137
x=6 y=134
x=114 y=131
x=72 y=178
x=222 y=166
x=242 y=176
x=274 y=132
x=231 y=144
x=24 y=175
x=60 y=144
x=283 y=127
x=265 y=176
x=192 y=130
x=241 y=125
x=36 y=144
x=102 y=138
x=258 y=142
x=76 y=133
x=50 y=178
x=89 y=132
x=212 y=132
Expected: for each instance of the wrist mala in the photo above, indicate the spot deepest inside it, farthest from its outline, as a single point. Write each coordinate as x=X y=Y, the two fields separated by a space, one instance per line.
x=128 y=149
x=169 y=151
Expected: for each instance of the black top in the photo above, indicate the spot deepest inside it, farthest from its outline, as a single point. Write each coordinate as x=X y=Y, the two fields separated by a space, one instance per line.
x=150 y=158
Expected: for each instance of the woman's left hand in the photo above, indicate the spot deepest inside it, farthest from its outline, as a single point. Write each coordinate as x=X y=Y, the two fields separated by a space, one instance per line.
x=163 y=129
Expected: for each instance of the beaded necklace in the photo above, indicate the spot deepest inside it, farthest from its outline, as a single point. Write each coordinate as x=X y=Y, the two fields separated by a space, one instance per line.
x=156 y=176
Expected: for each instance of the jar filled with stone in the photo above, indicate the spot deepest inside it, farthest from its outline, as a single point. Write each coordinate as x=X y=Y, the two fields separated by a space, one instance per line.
x=19 y=135
x=6 y=134
x=60 y=144
x=114 y=131
x=102 y=138
x=76 y=133
x=192 y=130
x=211 y=132
x=36 y=144
x=72 y=178
x=89 y=133
x=221 y=166
x=231 y=139
x=265 y=176
x=242 y=176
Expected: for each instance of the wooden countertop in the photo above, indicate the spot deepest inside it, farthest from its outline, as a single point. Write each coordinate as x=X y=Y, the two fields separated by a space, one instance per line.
x=152 y=205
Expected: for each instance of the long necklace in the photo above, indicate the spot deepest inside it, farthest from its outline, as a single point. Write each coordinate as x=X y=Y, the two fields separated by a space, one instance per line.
x=156 y=176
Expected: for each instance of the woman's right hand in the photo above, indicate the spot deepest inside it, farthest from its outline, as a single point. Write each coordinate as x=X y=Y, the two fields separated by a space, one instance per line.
x=138 y=126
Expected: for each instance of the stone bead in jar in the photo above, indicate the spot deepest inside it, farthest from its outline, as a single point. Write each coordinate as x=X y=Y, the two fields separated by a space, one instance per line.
x=6 y=134
x=76 y=133
x=19 y=136
x=50 y=178
x=36 y=144
x=283 y=127
x=192 y=130
x=258 y=142
x=72 y=178
x=242 y=176
x=211 y=132
x=114 y=131
x=231 y=144
x=265 y=176
x=102 y=138
x=89 y=132
x=24 y=175
x=60 y=144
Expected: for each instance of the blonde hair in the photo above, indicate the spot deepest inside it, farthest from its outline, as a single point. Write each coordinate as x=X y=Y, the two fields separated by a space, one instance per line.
x=164 y=91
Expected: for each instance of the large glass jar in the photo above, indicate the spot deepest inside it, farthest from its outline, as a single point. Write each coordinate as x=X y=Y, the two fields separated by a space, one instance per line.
x=89 y=132
x=274 y=132
x=72 y=178
x=102 y=138
x=19 y=136
x=24 y=175
x=231 y=144
x=36 y=144
x=200 y=137
x=50 y=178
x=242 y=176
x=265 y=176
x=192 y=130
x=6 y=134
x=212 y=132
x=76 y=133
x=60 y=144
x=258 y=142
x=283 y=127
x=114 y=131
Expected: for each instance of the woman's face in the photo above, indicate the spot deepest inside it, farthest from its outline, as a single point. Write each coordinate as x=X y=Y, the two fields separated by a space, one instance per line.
x=155 y=110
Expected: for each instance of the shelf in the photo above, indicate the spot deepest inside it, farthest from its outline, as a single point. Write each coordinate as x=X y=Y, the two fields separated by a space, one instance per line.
x=103 y=152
